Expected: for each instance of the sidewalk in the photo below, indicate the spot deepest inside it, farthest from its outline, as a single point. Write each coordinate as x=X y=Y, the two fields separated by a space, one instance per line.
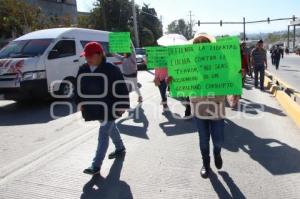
x=261 y=158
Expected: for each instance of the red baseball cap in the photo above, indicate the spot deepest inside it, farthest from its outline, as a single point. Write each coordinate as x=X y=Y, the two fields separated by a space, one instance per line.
x=91 y=48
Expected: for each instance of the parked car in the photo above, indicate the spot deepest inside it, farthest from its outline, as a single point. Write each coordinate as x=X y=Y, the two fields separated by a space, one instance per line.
x=141 y=58
x=46 y=62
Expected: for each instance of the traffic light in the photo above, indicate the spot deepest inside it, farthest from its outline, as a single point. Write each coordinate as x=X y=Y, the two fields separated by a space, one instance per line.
x=198 y=22
x=221 y=23
x=268 y=19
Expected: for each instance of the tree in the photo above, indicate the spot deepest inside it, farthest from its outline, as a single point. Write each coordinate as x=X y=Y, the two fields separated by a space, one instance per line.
x=180 y=27
x=272 y=38
x=111 y=15
x=116 y=15
x=150 y=27
x=18 y=17
x=83 y=21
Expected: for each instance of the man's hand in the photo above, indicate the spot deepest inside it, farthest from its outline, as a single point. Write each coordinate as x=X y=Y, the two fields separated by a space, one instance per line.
x=169 y=80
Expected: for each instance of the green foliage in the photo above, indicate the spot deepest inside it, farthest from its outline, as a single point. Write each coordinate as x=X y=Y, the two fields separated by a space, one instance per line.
x=150 y=26
x=272 y=38
x=111 y=15
x=83 y=21
x=116 y=15
x=18 y=17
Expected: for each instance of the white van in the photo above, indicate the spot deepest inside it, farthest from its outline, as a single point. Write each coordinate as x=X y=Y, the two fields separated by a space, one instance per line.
x=42 y=62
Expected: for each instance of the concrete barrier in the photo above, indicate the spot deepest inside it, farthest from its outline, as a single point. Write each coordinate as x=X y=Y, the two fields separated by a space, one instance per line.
x=288 y=97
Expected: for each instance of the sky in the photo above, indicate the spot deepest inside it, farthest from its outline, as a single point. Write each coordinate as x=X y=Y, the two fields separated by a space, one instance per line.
x=216 y=10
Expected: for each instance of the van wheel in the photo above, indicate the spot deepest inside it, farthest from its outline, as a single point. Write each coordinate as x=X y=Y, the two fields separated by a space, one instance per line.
x=67 y=89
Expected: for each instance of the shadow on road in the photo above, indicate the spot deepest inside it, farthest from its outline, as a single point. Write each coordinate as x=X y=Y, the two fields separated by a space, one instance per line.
x=221 y=191
x=110 y=187
x=177 y=125
x=255 y=107
x=31 y=113
x=276 y=157
x=138 y=116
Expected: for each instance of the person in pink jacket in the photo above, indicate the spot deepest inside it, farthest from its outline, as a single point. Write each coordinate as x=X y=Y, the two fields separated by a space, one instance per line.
x=161 y=81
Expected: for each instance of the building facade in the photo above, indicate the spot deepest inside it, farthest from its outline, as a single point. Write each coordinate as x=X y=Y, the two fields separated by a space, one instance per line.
x=57 y=10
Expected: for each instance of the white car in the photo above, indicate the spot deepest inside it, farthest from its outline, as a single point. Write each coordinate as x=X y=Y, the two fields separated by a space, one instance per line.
x=46 y=62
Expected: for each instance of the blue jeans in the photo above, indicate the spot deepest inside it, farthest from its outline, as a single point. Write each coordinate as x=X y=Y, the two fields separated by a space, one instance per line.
x=207 y=128
x=261 y=71
x=107 y=129
x=163 y=90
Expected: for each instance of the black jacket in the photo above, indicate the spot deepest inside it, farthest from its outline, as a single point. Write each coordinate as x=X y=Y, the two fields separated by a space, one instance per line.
x=104 y=104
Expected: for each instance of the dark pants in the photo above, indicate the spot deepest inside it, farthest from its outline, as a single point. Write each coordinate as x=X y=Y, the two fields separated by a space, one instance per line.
x=207 y=128
x=277 y=62
x=273 y=60
x=187 y=106
x=259 y=70
x=163 y=90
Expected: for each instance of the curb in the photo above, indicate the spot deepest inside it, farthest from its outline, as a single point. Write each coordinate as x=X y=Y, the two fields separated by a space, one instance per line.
x=288 y=103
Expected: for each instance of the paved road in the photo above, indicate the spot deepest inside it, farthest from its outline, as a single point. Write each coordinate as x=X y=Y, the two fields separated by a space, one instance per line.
x=26 y=128
x=261 y=157
x=289 y=70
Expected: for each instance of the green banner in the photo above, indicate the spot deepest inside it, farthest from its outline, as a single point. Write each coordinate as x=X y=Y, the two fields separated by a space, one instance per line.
x=211 y=69
x=156 y=57
x=119 y=42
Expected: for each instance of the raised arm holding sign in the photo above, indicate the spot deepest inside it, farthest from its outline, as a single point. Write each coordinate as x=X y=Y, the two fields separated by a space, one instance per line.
x=119 y=42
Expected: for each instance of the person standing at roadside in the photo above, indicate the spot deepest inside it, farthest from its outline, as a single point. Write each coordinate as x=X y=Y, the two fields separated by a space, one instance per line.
x=98 y=101
x=260 y=64
x=130 y=72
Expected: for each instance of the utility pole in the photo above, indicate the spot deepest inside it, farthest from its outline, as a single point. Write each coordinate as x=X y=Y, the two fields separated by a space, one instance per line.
x=191 y=23
x=135 y=26
x=161 y=21
x=288 y=39
x=244 y=25
x=294 y=39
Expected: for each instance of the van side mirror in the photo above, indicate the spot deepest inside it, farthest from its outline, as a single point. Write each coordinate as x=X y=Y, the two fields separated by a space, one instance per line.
x=53 y=54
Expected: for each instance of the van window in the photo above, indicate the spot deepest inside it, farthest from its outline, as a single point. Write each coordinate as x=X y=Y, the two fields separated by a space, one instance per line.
x=63 y=48
x=103 y=44
x=25 y=48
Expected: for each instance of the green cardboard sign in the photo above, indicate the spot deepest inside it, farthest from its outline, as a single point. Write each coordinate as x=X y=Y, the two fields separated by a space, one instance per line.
x=119 y=42
x=156 y=57
x=211 y=69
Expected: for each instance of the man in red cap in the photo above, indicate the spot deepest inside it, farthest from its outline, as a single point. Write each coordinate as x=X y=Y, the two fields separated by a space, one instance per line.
x=102 y=95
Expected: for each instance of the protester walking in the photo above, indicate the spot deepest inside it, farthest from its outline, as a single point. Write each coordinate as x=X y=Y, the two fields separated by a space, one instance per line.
x=273 y=56
x=245 y=61
x=209 y=113
x=99 y=102
x=161 y=81
x=130 y=71
x=278 y=54
x=260 y=64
